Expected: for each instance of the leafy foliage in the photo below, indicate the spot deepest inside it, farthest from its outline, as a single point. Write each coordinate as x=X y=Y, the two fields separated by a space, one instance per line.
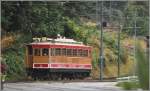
x=136 y=13
x=15 y=64
x=142 y=68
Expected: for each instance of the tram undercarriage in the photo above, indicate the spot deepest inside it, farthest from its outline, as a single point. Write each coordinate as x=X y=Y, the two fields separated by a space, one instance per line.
x=58 y=74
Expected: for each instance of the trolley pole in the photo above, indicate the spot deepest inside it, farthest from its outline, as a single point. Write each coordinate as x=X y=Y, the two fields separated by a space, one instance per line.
x=101 y=43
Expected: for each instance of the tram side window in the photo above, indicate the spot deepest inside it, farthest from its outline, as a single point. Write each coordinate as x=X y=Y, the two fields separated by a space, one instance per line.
x=37 y=52
x=85 y=53
x=74 y=52
x=63 y=52
x=80 y=52
x=30 y=50
x=57 y=52
x=69 y=52
x=45 y=52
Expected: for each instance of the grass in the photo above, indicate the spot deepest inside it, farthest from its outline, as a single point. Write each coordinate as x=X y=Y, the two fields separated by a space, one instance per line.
x=129 y=85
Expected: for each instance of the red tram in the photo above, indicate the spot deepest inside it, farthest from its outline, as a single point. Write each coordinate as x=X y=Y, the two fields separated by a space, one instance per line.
x=58 y=58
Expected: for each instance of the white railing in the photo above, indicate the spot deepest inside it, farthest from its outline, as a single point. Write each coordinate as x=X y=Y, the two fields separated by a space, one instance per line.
x=127 y=79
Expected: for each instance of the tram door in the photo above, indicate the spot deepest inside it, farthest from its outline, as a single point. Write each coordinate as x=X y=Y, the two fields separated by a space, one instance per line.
x=29 y=56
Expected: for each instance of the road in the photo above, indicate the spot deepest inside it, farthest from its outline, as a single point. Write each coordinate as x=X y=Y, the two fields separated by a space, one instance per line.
x=61 y=86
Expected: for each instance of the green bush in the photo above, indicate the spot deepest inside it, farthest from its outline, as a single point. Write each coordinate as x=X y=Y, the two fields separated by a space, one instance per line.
x=94 y=59
x=142 y=68
x=15 y=64
x=14 y=58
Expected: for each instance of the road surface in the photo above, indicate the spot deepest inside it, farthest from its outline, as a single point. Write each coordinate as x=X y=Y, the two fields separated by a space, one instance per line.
x=61 y=86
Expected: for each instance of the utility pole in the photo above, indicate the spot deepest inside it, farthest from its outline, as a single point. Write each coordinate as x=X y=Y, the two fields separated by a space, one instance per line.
x=101 y=41
x=119 y=32
x=134 y=62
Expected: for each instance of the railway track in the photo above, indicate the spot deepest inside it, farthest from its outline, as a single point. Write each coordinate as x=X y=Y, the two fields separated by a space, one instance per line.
x=63 y=81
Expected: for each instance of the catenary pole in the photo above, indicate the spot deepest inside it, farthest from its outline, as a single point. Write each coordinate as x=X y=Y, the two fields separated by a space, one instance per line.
x=101 y=44
x=119 y=34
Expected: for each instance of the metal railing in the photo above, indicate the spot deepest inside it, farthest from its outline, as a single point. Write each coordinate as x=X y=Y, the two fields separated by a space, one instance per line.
x=127 y=79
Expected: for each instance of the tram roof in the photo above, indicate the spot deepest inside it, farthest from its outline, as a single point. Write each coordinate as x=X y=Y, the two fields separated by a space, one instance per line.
x=59 y=42
x=48 y=43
